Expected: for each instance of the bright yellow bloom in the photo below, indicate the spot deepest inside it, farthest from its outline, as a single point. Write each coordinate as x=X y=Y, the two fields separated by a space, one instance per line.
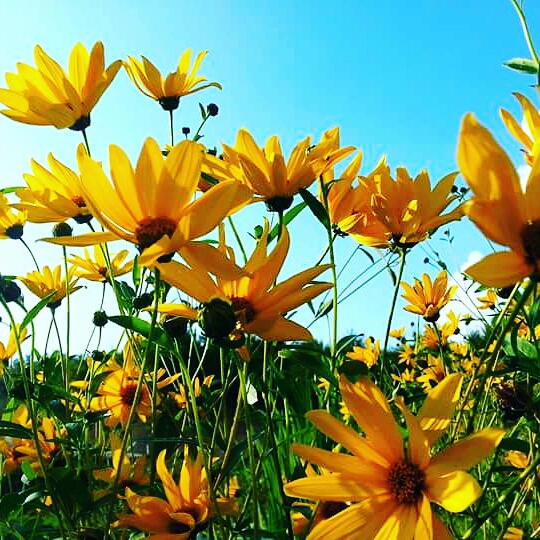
x=151 y=206
x=265 y=172
x=52 y=196
x=489 y=300
x=404 y=211
x=531 y=116
x=390 y=488
x=11 y=221
x=513 y=533
x=48 y=96
x=427 y=298
x=95 y=268
x=517 y=459
x=500 y=208
x=253 y=302
x=7 y=352
x=47 y=282
x=181 y=397
x=397 y=333
x=187 y=506
x=130 y=473
x=433 y=374
x=167 y=92
x=369 y=353
x=407 y=355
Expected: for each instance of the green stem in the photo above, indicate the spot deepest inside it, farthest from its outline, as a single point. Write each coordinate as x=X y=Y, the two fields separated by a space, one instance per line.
x=526 y=31
x=171 y=127
x=86 y=142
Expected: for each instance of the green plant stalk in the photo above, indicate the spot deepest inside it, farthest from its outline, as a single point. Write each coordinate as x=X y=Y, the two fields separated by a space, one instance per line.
x=57 y=505
x=171 y=127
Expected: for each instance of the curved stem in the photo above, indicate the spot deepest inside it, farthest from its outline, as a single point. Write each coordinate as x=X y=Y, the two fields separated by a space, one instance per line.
x=525 y=28
x=30 y=251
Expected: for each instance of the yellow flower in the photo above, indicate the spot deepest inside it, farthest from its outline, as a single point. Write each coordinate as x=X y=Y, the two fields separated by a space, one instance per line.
x=265 y=172
x=500 y=208
x=427 y=298
x=52 y=196
x=433 y=374
x=152 y=206
x=407 y=355
x=390 y=488
x=181 y=397
x=531 y=116
x=167 y=92
x=130 y=473
x=48 y=96
x=516 y=459
x=407 y=376
x=187 y=507
x=252 y=303
x=404 y=211
x=489 y=300
x=10 y=350
x=11 y=221
x=397 y=333
x=369 y=353
x=50 y=283
x=95 y=269
x=513 y=533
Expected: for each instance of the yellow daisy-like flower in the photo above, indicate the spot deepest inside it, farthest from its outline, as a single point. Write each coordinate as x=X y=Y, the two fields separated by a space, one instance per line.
x=7 y=352
x=48 y=96
x=151 y=206
x=50 y=283
x=390 y=488
x=488 y=300
x=369 y=353
x=52 y=195
x=432 y=374
x=168 y=91
x=427 y=298
x=130 y=473
x=188 y=505
x=11 y=221
x=531 y=116
x=252 y=303
x=266 y=173
x=500 y=208
x=95 y=268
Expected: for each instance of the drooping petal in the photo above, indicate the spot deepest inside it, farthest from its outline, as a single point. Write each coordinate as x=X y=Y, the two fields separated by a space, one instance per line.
x=501 y=269
x=454 y=491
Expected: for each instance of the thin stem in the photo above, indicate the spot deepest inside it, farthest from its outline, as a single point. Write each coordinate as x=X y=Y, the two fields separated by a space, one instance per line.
x=86 y=142
x=525 y=28
x=171 y=124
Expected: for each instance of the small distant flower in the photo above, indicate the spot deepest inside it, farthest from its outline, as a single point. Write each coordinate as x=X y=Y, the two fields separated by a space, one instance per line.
x=427 y=298
x=513 y=533
x=500 y=208
x=48 y=96
x=517 y=459
x=407 y=376
x=253 y=303
x=369 y=353
x=130 y=473
x=407 y=355
x=388 y=487
x=433 y=374
x=181 y=397
x=7 y=352
x=95 y=268
x=50 y=283
x=529 y=139
x=488 y=300
x=53 y=195
x=168 y=91
x=11 y=221
x=185 y=511
x=397 y=333
x=266 y=173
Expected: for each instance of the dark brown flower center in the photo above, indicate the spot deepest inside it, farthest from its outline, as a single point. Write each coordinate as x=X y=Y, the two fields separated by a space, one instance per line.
x=432 y=313
x=245 y=312
x=127 y=393
x=176 y=527
x=150 y=230
x=407 y=482
x=79 y=201
x=530 y=237
x=327 y=509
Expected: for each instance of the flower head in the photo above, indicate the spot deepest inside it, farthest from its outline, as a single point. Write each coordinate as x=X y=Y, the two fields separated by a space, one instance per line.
x=151 y=206
x=531 y=139
x=49 y=283
x=46 y=95
x=390 y=488
x=52 y=195
x=427 y=298
x=8 y=351
x=168 y=91
x=187 y=506
x=266 y=173
x=11 y=221
x=95 y=268
x=500 y=208
x=253 y=303
x=369 y=353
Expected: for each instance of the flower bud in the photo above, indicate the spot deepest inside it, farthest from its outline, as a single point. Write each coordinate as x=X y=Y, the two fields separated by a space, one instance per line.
x=217 y=318
x=62 y=229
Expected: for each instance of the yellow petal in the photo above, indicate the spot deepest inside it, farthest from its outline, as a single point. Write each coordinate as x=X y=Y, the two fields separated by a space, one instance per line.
x=454 y=491
x=500 y=269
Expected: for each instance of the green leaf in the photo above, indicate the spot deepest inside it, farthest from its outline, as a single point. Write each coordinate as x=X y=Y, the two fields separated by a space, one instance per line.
x=7 y=190
x=287 y=218
x=316 y=207
x=525 y=65
x=28 y=471
x=308 y=360
x=10 y=502
x=10 y=429
x=143 y=328
x=353 y=370
x=33 y=313
x=203 y=111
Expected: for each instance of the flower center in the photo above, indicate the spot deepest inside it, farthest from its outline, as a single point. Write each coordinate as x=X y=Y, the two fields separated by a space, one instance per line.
x=432 y=313
x=244 y=310
x=530 y=237
x=176 y=527
x=407 y=482
x=327 y=509
x=127 y=393
x=150 y=230
x=15 y=232
x=279 y=203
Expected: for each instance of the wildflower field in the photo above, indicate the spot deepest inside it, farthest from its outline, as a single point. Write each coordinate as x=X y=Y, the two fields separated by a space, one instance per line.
x=221 y=413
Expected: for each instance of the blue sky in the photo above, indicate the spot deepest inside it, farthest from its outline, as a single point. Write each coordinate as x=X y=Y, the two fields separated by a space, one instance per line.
x=395 y=76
